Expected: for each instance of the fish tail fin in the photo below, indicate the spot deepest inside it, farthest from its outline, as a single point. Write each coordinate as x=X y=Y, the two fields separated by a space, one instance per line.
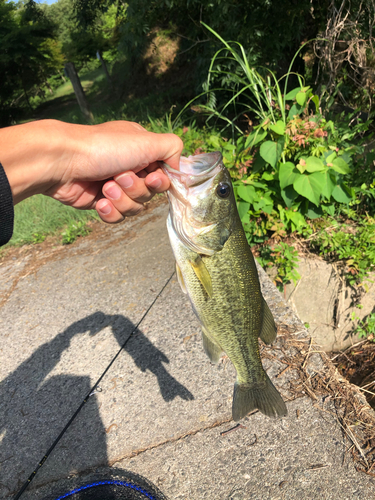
x=262 y=396
x=268 y=332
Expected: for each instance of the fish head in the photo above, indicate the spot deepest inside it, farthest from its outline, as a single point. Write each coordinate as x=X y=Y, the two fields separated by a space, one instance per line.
x=202 y=203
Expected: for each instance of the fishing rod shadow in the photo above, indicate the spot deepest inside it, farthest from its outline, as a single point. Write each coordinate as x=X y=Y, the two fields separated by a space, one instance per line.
x=147 y=357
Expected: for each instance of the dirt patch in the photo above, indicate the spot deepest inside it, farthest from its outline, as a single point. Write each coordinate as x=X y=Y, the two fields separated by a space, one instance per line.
x=357 y=364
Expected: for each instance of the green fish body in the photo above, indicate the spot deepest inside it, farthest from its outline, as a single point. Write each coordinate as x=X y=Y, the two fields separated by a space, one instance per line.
x=216 y=268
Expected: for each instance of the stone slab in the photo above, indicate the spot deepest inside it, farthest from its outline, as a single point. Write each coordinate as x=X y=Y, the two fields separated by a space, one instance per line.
x=322 y=299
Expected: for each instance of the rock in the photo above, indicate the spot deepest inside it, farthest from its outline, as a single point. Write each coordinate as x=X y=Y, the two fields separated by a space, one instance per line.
x=322 y=299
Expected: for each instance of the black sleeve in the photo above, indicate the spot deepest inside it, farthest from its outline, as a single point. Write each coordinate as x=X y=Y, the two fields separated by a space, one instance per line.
x=6 y=209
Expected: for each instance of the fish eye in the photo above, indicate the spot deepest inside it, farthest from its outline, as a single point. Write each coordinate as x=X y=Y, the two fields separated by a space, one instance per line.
x=223 y=190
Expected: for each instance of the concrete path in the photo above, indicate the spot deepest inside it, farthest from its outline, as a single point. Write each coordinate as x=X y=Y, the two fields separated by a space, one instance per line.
x=163 y=407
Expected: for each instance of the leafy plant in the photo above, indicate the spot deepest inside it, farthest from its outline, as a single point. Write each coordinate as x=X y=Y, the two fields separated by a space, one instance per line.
x=38 y=238
x=252 y=92
x=353 y=244
x=366 y=327
x=295 y=166
x=286 y=260
x=74 y=231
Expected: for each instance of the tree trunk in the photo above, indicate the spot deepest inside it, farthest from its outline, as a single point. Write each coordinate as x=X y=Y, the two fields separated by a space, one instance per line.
x=78 y=90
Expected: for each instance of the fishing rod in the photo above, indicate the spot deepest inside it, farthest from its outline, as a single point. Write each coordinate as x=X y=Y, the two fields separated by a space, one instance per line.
x=92 y=391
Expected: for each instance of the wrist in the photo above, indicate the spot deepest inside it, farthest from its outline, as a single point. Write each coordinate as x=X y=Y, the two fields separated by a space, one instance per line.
x=34 y=156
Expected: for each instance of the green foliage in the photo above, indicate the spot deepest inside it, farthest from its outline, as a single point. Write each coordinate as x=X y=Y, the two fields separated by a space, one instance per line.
x=38 y=238
x=272 y=28
x=365 y=328
x=353 y=244
x=80 y=45
x=74 y=231
x=316 y=174
x=285 y=258
x=29 y=55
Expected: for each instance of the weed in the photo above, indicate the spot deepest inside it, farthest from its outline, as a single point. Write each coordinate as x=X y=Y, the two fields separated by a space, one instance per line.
x=74 y=231
x=366 y=327
x=353 y=244
x=286 y=259
x=38 y=238
x=294 y=167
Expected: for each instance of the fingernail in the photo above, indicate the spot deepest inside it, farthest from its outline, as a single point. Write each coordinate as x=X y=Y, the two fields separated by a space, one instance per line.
x=105 y=209
x=155 y=184
x=125 y=181
x=113 y=192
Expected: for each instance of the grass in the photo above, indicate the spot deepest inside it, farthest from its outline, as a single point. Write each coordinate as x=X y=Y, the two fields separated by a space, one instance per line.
x=40 y=216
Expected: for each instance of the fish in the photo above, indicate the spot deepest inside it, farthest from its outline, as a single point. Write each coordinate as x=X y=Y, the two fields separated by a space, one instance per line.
x=216 y=269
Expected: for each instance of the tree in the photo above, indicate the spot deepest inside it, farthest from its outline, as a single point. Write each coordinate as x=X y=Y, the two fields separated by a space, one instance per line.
x=29 y=55
x=80 y=42
x=271 y=29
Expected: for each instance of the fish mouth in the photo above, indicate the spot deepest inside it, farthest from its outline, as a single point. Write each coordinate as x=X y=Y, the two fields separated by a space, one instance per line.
x=194 y=170
x=195 y=177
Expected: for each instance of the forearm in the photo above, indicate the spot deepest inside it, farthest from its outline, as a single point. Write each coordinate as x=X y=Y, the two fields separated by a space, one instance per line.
x=32 y=155
x=80 y=165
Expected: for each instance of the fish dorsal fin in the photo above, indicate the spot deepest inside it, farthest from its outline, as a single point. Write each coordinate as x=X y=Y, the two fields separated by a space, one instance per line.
x=202 y=274
x=268 y=332
x=212 y=350
x=180 y=278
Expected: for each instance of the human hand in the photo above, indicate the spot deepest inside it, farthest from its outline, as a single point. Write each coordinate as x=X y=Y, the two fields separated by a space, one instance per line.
x=82 y=165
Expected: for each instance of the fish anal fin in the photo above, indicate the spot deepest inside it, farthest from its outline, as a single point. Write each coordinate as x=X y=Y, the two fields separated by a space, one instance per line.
x=212 y=350
x=268 y=332
x=180 y=278
x=262 y=396
x=202 y=274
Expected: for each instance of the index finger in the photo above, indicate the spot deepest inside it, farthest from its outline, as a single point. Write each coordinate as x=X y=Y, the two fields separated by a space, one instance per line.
x=170 y=149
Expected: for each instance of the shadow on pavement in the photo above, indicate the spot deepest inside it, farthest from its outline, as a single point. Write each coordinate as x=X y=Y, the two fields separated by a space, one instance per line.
x=35 y=406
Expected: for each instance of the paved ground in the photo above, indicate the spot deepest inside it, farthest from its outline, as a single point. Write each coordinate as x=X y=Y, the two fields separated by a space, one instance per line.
x=162 y=406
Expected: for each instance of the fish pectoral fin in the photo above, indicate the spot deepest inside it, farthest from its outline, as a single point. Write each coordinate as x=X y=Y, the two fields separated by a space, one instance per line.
x=212 y=350
x=202 y=274
x=268 y=332
x=180 y=278
x=262 y=396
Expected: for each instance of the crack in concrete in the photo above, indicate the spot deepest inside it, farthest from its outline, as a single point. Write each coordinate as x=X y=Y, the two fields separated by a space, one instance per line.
x=174 y=439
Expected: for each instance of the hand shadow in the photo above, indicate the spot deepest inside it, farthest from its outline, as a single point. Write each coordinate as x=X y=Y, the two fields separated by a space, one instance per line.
x=148 y=357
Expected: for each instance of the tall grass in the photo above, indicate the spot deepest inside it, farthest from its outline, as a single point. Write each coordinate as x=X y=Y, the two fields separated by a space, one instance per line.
x=255 y=91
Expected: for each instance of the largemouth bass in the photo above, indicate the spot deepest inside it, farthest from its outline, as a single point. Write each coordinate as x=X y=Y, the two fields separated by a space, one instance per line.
x=216 y=269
